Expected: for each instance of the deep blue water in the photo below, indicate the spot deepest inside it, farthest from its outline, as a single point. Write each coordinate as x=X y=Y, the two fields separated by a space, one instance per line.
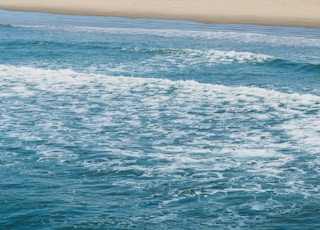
x=113 y=123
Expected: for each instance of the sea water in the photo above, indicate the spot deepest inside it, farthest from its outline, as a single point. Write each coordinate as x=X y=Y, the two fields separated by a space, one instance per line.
x=113 y=123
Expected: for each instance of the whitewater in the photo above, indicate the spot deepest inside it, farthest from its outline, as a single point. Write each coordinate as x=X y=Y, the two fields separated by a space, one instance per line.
x=114 y=123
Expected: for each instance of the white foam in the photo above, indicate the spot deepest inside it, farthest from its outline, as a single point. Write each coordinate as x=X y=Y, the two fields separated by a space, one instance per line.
x=243 y=108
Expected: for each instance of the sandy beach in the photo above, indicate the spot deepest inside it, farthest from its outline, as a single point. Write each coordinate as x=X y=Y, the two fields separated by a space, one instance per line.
x=304 y=13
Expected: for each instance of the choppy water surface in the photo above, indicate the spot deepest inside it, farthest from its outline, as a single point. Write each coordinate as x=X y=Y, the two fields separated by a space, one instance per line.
x=110 y=123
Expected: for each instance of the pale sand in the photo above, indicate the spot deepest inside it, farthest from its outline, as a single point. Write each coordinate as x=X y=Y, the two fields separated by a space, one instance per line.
x=305 y=13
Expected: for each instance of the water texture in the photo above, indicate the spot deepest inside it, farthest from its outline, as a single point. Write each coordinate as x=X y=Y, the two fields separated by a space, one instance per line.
x=113 y=123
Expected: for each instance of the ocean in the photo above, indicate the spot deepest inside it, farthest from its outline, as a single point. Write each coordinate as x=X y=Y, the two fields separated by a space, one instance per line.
x=115 y=123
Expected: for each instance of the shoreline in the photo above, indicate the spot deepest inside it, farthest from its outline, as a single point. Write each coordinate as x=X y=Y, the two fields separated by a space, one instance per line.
x=295 y=13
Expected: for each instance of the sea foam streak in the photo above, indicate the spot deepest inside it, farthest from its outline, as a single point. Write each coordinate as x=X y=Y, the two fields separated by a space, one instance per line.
x=237 y=111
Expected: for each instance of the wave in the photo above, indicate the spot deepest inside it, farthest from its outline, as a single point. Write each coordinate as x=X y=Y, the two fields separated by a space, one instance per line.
x=242 y=37
x=6 y=25
x=187 y=57
x=296 y=66
x=213 y=56
x=208 y=35
x=30 y=26
x=182 y=58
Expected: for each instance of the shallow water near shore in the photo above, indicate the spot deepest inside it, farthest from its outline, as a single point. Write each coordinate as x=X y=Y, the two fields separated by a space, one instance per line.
x=114 y=123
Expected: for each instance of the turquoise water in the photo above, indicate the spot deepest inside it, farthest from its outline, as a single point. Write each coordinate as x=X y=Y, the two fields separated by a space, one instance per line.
x=113 y=123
